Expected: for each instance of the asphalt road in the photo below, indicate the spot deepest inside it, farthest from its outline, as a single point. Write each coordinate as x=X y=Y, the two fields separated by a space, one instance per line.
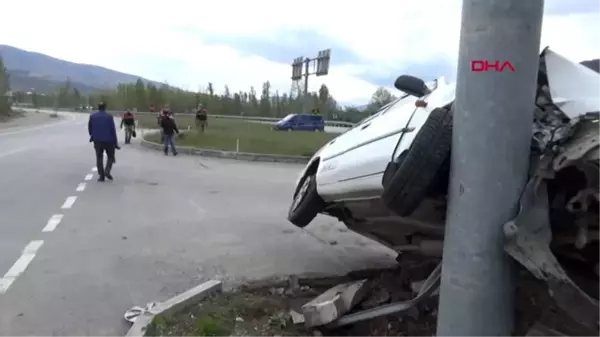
x=75 y=254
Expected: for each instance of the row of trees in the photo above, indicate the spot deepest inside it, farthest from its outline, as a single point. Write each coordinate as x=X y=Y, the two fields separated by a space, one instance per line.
x=266 y=103
x=5 y=101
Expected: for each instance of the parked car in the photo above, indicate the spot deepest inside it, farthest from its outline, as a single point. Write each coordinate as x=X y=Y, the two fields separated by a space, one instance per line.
x=301 y=122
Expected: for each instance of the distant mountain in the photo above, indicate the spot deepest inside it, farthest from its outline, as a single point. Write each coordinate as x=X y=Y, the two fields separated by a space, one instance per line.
x=44 y=73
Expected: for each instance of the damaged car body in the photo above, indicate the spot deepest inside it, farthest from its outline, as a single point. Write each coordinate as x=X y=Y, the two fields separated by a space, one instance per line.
x=387 y=179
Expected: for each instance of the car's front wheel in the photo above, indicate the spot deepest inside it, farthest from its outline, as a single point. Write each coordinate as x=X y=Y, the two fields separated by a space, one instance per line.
x=419 y=168
x=306 y=204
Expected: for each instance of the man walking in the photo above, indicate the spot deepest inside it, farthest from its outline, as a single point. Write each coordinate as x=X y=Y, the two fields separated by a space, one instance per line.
x=128 y=120
x=201 y=118
x=169 y=129
x=103 y=133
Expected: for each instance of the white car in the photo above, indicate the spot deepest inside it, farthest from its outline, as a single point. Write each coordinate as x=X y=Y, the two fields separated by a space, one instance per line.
x=387 y=177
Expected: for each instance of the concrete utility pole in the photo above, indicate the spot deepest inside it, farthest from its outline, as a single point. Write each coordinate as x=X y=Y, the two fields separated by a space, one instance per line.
x=490 y=159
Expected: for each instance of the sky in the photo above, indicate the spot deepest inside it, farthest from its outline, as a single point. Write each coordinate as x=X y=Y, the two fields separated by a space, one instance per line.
x=244 y=43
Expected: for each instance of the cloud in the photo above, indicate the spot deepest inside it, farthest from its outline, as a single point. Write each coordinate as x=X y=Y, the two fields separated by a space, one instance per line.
x=243 y=43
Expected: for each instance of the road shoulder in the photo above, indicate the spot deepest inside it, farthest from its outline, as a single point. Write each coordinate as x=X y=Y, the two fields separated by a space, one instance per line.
x=27 y=119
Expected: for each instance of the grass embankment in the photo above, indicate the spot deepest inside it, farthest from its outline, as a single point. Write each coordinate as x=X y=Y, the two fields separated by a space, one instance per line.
x=238 y=314
x=223 y=134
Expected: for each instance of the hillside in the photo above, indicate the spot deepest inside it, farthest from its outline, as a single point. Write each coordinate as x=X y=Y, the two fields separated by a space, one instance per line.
x=42 y=72
x=45 y=73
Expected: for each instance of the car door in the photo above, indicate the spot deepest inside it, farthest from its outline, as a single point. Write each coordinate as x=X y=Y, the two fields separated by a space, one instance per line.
x=355 y=169
x=303 y=122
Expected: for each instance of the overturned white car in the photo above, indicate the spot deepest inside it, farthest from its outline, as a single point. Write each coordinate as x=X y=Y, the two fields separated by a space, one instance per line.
x=387 y=178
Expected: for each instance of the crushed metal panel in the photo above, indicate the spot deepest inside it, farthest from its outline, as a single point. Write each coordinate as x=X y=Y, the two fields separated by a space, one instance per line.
x=334 y=303
x=528 y=238
x=574 y=87
x=583 y=144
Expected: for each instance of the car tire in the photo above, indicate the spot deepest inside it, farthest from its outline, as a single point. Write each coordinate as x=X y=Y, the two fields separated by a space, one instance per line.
x=306 y=204
x=419 y=169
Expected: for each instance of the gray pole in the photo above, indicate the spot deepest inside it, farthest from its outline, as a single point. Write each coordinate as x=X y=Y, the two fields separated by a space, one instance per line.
x=305 y=102
x=490 y=159
x=306 y=74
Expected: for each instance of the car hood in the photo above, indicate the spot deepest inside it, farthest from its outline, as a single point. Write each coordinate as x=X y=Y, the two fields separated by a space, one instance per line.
x=573 y=87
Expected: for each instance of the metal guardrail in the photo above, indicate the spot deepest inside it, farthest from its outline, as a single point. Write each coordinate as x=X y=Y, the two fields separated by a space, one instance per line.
x=249 y=118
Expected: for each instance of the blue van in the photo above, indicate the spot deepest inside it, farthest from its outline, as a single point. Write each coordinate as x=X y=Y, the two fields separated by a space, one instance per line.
x=301 y=122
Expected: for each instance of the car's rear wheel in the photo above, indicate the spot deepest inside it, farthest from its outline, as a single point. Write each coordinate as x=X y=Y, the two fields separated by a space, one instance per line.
x=419 y=168
x=306 y=204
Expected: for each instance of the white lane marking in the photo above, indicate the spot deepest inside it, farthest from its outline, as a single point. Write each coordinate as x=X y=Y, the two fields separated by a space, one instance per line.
x=69 y=202
x=20 y=265
x=53 y=222
x=196 y=206
x=80 y=187
x=88 y=176
x=94 y=169
x=8 y=153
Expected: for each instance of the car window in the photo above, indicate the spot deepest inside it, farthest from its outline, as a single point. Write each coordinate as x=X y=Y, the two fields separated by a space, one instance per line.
x=387 y=107
x=288 y=117
x=316 y=118
x=381 y=111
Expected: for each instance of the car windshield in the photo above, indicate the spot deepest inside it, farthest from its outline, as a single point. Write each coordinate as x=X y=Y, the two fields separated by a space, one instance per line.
x=288 y=117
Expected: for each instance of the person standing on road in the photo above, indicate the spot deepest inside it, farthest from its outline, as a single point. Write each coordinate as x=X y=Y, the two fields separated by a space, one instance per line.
x=103 y=133
x=128 y=120
x=169 y=129
x=201 y=118
x=162 y=114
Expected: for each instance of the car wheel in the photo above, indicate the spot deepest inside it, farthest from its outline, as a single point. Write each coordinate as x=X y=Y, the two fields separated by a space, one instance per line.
x=419 y=168
x=306 y=204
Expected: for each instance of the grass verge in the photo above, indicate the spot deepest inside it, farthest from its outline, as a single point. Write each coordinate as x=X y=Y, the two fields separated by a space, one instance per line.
x=224 y=134
x=256 y=313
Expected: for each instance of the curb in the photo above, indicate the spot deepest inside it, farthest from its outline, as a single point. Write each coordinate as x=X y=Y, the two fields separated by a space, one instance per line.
x=273 y=158
x=174 y=304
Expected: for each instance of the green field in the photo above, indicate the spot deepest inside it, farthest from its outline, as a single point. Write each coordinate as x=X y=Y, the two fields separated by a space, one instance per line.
x=223 y=134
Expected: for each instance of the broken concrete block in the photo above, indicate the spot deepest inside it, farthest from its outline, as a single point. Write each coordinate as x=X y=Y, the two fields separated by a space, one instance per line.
x=333 y=303
x=297 y=318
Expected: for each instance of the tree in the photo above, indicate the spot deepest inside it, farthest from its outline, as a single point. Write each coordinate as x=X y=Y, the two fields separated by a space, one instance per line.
x=380 y=97
x=141 y=95
x=5 y=101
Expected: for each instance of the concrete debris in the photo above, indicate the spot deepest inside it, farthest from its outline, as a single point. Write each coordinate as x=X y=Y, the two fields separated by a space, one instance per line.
x=334 y=303
x=277 y=291
x=297 y=318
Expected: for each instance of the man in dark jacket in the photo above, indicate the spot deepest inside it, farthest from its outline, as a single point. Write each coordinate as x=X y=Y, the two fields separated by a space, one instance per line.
x=128 y=120
x=201 y=118
x=103 y=133
x=169 y=129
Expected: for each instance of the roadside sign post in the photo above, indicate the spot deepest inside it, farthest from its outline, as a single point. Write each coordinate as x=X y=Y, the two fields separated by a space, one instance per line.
x=493 y=115
x=301 y=69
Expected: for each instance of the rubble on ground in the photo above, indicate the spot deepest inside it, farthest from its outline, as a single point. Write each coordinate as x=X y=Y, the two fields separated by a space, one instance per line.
x=312 y=306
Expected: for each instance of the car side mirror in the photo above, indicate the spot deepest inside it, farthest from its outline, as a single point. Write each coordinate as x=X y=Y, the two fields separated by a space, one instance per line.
x=411 y=85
